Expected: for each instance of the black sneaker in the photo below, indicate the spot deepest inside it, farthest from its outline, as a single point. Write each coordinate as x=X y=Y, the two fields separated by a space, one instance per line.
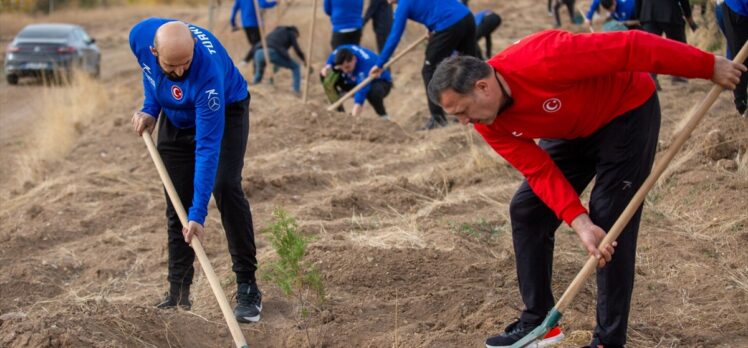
x=176 y=297
x=742 y=107
x=435 y=121
x=518 y=330
x=248 y=303
x=678 y=79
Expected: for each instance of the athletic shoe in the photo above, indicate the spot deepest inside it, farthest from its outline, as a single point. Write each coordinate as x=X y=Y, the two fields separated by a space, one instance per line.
x=436 y=121
x=249 y=303
x=176 y=297
x=517 y=330
x=678 y=79
x=742 y=107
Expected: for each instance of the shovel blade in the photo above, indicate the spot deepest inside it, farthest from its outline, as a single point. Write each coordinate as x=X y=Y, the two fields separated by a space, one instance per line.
x=551 y=320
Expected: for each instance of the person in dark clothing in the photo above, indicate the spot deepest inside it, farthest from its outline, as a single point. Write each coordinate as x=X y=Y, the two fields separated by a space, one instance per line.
x=735 y=17
x=380 y=13
x=569 y=6
x=250 y=22
x=201 y=103
x=279 y=41
x=354 y=63
x=345 y=16
x=666 y=16
x=452 y=29
x=486 y=23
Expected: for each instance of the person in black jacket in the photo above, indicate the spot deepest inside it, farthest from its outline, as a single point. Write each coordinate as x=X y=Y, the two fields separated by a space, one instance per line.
x=380 y=13
x=666 y=16
x=570 y=6
x=279 y=41
x=735 y=20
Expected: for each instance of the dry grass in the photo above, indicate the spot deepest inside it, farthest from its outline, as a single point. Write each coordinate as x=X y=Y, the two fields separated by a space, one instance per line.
x=65 y=111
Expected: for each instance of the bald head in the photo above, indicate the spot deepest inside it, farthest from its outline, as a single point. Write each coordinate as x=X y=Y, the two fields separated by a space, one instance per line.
x=173 y=45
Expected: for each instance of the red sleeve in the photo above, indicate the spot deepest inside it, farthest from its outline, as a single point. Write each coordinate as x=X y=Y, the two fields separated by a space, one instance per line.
x=567 y=57
x=544 y=177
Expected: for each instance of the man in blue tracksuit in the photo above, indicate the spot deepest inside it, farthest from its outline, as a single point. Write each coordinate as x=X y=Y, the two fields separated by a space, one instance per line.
x=354 y=63
x=735 y=17
x=345 y=16
x=190 y=79
x=452 y=29
x=380 y=13
x=250 y=23
x=486 y=22
x=623 y=11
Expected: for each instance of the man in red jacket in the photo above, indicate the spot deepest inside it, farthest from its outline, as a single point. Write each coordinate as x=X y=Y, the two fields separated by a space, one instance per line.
x=590 y=99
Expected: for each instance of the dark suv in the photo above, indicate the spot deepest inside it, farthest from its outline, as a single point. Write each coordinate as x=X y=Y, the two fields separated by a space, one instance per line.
x=53 y=50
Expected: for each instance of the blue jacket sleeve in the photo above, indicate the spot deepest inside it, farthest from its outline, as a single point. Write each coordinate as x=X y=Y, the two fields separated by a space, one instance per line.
x=396 y=32
x=328 y=7
x=593 y=8
x=150 y=104
x=209 y=121
x=234 y=10
x=267 y=4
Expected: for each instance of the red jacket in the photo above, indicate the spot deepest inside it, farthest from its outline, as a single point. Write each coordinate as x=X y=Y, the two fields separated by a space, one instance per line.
x=567 y=86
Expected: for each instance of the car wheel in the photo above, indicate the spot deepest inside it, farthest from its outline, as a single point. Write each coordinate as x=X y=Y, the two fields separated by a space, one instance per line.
x=12 y=79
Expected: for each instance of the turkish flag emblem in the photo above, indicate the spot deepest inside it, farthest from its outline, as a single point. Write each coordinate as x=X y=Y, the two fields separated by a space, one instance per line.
x=176 y=92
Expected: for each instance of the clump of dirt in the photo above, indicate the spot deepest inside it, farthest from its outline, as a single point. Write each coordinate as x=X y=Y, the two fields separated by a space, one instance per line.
x=716 y=146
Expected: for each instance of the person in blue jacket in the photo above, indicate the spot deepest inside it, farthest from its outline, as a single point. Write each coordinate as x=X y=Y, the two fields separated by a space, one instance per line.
x=452 y=28
x=486 y=22
x=346 y=19
x=354 y=63
x=250 y=22
x=380 y=14
x=735 y=17
x=623 y=11
x=190 y=80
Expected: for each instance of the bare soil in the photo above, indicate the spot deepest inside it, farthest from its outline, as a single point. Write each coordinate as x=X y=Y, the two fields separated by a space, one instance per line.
x=410 y=228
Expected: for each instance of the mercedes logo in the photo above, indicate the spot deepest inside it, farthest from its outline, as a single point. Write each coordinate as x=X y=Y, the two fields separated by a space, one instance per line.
x=214 y=103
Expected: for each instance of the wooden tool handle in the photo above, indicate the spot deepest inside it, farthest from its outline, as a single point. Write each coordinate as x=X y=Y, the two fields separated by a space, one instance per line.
x=365 y=82
x=693 y=120
x=265 y=48
x=309 y=52
x=215 y=284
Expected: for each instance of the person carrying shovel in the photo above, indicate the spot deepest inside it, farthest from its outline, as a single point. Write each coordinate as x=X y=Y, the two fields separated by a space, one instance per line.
x=353 y=64
x=591 y=101
x=189 y=78
x=453 y=29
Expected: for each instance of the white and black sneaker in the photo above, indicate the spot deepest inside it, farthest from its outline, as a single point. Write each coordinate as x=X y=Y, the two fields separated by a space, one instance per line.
x=248 y=303
x=518 y=330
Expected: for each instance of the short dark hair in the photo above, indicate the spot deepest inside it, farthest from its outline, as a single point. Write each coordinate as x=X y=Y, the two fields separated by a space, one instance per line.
x=343 y=55
x=293 y=29
x=459 y=74
x=607 y=4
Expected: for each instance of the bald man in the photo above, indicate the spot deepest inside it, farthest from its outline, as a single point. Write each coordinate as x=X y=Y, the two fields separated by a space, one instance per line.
x=191 y=81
